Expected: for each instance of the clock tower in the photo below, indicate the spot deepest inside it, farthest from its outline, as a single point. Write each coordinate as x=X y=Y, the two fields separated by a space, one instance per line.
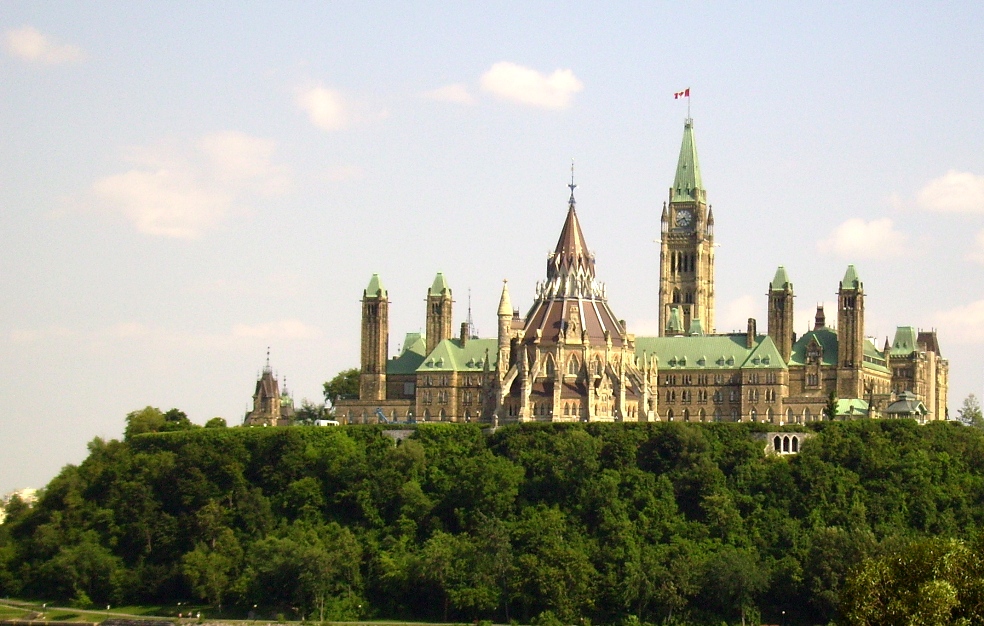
x=686 y=256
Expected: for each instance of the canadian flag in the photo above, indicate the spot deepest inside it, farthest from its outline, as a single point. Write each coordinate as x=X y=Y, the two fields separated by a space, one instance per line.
x=682 y=94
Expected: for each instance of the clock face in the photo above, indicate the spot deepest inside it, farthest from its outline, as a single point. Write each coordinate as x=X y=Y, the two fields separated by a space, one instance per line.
x=684 y=218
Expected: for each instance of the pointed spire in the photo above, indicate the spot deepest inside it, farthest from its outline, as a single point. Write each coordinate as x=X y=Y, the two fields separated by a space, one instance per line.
x=687 y=184
x=572 y=185
x=571 y=253
x=851 y=280
x=505 y=305
x=266 y=368
x=375 y=287
x=780 y=281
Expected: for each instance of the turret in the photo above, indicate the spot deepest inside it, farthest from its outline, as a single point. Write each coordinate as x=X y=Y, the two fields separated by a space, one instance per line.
x=850 y=319
x=375 y=341
x=781 y=313
x=438 y=312
x=850 y=334
x=505 y=315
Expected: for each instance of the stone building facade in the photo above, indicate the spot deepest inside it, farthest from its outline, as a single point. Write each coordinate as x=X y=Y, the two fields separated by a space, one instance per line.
x=271 y=407
x=570 y=358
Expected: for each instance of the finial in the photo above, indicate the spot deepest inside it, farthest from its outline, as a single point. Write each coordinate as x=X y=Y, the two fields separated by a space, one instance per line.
x=267 y=368
x=572 y=185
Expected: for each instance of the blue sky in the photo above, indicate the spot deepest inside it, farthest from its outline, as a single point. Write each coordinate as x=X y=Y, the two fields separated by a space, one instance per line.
x=184 y=184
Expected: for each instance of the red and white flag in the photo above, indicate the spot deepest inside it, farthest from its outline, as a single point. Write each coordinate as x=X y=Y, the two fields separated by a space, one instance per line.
x=682 y=94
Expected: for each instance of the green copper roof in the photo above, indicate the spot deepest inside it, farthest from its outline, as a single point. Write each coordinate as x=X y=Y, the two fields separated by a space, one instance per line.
x=852 y=408
x=905 y=341
x=414 y=351
x=780 y=281
x=674 y=324
x=696 y=328
x=451 y=356
x=874 y=359
x=709 y=352
x=908 y=405
x=827 y=339
x=687 y=181
x=440 y=285
x=375 y=287
x=851 y=280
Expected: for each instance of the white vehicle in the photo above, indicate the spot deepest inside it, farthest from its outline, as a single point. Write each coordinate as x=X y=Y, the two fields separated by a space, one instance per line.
x=325 y=423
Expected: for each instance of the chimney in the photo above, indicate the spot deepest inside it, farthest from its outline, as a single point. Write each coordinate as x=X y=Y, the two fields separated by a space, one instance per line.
x=821 y=320
x=750 y=333
x=464 y=333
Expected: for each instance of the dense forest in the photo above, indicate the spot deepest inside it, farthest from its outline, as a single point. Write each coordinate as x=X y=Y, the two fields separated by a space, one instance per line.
x=603 y=523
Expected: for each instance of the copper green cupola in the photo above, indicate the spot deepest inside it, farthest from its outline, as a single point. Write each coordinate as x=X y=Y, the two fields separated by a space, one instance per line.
x=687 y=184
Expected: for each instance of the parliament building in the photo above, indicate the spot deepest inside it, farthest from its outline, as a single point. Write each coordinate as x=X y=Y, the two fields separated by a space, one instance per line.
x=570 y=358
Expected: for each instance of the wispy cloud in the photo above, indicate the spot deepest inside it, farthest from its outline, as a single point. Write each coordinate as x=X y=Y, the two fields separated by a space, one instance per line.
x=977 y=254
x=188 y=191
x=524 y=85
x=954 y=192
x=326 y=108
x=457 y=93
x=964 y=323
x=30 y=44
x=856 y=239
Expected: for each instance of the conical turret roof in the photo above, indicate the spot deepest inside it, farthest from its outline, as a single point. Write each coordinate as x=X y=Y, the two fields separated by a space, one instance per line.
x=440 y=285
x=571 y=253
x=687 y=184
x=505 y=304
x=780 y=281
x=375 y=287
x=851 y=280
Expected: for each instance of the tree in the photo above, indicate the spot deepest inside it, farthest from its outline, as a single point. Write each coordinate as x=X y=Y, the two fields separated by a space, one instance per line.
x=932 y=581
x=211 y=569
x=970 y=412
x=147 y=420
x=216 y=422
x=309 y=412
x=345 y=383
x=831 y=408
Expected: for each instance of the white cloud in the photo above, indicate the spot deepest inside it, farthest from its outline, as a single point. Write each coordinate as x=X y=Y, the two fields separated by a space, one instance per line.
x=30 y=44
x=963 y=324
x=326 y=108
x=187 y=192
x=528 y=86
x=977 y=255
x=457 y=93
x=238 y=157
x=856 y=238
x=954 y=192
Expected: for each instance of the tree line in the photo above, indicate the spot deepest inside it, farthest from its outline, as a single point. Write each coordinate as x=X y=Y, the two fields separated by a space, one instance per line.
x=610 y=523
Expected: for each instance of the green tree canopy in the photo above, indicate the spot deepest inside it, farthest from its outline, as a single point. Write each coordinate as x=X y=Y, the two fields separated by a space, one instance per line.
x=345 y=383
x=970 y=412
